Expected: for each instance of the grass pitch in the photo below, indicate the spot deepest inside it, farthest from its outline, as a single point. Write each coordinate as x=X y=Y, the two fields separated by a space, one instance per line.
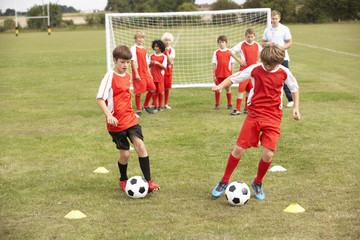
x=54 y=136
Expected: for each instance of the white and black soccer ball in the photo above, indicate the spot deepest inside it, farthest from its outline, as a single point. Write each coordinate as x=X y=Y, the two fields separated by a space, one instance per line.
x=136 y=187
x=237 y=193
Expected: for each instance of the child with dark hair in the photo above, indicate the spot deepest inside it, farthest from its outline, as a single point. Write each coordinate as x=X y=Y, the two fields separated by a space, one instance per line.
x=158 y=63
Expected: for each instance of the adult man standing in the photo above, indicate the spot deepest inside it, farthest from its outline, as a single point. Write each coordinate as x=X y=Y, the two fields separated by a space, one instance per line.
x=280 y=34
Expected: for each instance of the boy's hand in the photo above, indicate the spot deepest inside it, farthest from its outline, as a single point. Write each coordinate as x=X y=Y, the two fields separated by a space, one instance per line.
x=296 y=114
x=137 y=77
x=214 y=78
x=112 y=121
x=243 y=63
x=216 y=89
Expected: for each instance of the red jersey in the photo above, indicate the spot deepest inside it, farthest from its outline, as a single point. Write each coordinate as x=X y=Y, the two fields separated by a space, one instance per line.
x=169 y=68
x=265 y=98
x=248 y=52
x=156 y=72
x=139 y=56
x=223 y=62
x=115 y=90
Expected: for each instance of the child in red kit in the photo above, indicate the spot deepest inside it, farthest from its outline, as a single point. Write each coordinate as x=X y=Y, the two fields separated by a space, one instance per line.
x=265 y=113
x=114 y=99
x=223 y=67
x=158 y=63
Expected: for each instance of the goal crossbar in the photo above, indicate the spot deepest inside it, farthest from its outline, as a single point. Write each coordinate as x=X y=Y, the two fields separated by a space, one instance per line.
x=195 y=37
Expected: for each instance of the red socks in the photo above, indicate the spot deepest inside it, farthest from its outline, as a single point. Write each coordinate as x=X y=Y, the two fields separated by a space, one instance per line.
x=137 y=102
x=228 y=95
x=166 y=96
x=262 y=169
x=246 y=106
x=238 y=103
x=147 y=99
x=217 y=98
x=230 y=167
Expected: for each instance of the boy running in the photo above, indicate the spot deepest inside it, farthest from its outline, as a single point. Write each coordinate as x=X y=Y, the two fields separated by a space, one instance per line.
x=265 y=113
x=114 y=99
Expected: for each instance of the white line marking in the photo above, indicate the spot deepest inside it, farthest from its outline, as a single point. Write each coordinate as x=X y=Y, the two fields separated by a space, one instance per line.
x=327 y=49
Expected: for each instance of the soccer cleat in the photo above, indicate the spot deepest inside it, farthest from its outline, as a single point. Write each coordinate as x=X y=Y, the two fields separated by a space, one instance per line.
x=138 y=114
x=230 y=107
x=245 y=111
x=153 y=187
x=219 y=189
x=290 y=104
x=122 y=184
x=155 y=109
x=259 y=193
x=217 y=107
x=160 y=109
x=235 y=112
x=148 y=110
x=167 y=106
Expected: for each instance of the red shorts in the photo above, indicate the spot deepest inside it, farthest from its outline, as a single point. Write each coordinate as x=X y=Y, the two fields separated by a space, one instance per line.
x=159 y=87
x=219 y=80
x=145 y=83
x=250 y=133
x=245 y=86
x=167 y=81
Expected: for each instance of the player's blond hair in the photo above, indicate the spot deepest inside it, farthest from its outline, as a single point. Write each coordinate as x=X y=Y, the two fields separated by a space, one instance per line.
x=275 y=12
x=249 y=31
x=167 y=35
x=272 y=54
x=139 y=34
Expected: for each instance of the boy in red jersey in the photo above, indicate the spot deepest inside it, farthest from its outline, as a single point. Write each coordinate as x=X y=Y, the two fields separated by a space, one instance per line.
x=249 y=51
x=167 y=38
x=142 y=79
x=114 y=99
x=158 y=63
x=223 y=66
x=265 y=113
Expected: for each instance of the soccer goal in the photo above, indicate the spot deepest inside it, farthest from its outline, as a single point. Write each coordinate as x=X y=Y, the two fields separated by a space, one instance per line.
x=195 y=37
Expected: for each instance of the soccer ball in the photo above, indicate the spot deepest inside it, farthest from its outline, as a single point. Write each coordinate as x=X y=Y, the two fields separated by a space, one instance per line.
x=136 y=187
x=237 y=193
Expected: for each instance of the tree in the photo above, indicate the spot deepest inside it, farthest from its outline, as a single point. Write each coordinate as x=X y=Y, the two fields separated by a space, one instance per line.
x=9 y=12
x=224 y=5
x=285 y=7
x=186 y=7
x=55 y=16
x=145 y=5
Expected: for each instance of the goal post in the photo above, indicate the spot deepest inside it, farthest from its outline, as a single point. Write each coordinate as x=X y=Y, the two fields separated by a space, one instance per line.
x=195 y=37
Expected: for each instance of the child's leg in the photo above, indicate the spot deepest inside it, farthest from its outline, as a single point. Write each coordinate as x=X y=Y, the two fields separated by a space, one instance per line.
x=122 y=164
x=233 y=161
x=167 y=90
x=246 y=99
x=148 y=97
x=264 y=164
x=161 y=96
x=143 y=156
x=154 y=98
x=138 y=102
x=228 y=95
x=239 y=100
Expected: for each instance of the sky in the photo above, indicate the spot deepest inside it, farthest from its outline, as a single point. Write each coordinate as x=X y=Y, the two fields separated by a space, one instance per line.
x=82 y=5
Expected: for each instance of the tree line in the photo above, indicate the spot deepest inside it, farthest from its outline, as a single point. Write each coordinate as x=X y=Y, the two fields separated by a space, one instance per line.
x=292 y=11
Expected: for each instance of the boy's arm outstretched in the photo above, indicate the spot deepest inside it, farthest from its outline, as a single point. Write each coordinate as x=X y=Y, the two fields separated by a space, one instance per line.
x=226 y=83
x=296 y=112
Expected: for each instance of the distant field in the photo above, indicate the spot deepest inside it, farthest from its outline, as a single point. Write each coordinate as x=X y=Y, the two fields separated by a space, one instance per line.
x=54 y=136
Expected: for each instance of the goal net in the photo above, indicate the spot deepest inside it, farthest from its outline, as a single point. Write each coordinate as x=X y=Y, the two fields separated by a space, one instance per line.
x=195 y=37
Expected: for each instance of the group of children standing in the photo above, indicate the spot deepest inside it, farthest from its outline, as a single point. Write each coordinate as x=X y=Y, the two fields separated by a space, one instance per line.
x=223 y=64
x=152 y=75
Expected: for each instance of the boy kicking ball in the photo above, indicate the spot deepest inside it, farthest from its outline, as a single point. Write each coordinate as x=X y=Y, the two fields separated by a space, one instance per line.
x=114 y=99
x=264 y=115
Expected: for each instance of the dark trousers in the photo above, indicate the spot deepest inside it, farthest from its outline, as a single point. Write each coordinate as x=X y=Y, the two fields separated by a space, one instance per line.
x=285 y=63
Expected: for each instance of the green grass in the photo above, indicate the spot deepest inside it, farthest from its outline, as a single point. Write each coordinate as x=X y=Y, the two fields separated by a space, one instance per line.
x=53 y=136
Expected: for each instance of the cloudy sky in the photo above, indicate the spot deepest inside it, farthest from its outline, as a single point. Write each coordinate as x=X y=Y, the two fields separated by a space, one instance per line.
x=83 y=5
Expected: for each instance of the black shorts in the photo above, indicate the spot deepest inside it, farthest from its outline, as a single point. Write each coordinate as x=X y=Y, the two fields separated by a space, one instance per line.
x=121 y=138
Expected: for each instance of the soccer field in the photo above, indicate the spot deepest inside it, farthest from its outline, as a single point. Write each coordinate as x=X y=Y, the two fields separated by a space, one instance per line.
x=53 y=136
